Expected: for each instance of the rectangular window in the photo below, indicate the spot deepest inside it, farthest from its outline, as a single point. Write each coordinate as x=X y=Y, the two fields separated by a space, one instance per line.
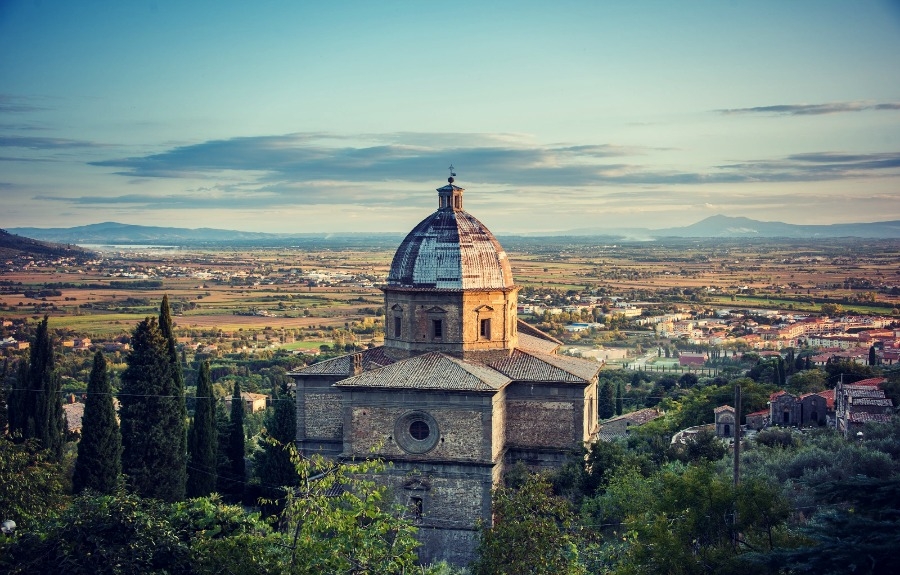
x=416 y=507
x=437 y=327
x=486 y=329
x=397 y=327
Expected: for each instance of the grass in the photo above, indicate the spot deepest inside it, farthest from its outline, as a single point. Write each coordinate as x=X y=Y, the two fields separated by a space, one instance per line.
x=98 y=324
x=301 y=345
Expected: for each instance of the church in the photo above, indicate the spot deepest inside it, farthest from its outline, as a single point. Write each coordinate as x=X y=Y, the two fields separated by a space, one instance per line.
x=460 y=390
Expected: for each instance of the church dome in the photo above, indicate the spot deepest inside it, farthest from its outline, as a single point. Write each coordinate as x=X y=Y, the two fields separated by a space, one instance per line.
x=450 y=249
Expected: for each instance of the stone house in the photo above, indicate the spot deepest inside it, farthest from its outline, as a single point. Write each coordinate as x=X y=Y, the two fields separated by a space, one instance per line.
x=253 y=402
x=725 y=421
x=460 y=390
x=620 y=426
x=860 y=402
x=757 y=420
x=783 y=409
x=811 y=409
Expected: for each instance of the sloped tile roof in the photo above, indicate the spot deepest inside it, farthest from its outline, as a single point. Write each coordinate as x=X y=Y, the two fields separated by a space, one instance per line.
x=876 y=401
x=871 y=381
x=828 y=395
x=863 y=417
x=524 y=365
x=639 y=417
x=430 y=371
x=526 y=328
x=539 y=344
x=372 y=358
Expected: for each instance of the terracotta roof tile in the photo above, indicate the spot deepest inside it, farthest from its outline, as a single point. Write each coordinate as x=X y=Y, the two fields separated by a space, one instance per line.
x=524 y=365
x=343 y=365
x=532 y=343
x=430 y=371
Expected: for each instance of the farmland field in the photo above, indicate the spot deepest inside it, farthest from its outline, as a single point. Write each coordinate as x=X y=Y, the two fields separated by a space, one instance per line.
x=290 y=296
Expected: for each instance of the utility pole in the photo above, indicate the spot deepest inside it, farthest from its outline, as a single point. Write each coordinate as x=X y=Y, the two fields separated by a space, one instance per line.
x=737 y=453
x=737 y=434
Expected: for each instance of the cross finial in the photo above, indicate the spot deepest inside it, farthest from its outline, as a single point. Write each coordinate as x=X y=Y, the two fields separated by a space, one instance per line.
x=452 y=173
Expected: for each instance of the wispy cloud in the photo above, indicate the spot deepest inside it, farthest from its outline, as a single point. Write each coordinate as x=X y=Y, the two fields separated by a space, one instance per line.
x=44 y=143
x=819 y=166
x=303 y=166
x=296 y=157
x=17 y=104
x=814 y=109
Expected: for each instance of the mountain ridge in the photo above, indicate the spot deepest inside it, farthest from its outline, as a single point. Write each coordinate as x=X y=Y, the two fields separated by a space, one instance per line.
x=717 y=226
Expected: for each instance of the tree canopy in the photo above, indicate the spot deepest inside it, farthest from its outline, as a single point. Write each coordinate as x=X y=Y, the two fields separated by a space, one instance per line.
x=35 y=405
x=153 y=438
x=203 y=438
x=99 y=462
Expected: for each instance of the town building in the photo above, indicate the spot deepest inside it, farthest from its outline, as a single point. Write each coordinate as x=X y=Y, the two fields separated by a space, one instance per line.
x=621 y=426
x=857 y=403
x=460 y=390
x=253 y=402
x=724 y=416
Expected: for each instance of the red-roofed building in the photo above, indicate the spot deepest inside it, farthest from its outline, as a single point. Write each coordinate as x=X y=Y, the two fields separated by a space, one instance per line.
x=758 y=419
x=691 y=359
x=860 y=402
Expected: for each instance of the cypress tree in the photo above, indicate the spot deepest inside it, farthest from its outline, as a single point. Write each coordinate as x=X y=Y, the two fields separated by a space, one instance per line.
x=605 y=405
x=619 y=399
x=36 y=405
x=99 y=462
x=274 y=467
x=203 y=439
x=176 y=389
x=873 y=356
x=153 y=436
x=236 y=474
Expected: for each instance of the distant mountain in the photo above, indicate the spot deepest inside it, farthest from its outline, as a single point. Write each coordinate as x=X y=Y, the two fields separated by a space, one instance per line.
x=113 y=233
x=712 y=227
x=116 y=233
x=728 y=227
x=720 y=226
x=13 y=246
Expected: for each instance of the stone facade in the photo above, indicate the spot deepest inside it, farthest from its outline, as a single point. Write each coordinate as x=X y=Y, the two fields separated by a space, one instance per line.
x=724 y=416
x=471 y=324
x=456 y=394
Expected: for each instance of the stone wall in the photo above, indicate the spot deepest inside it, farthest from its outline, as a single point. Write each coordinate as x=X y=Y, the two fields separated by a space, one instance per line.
x=540 y=423
x=498 y=426
x=319 y=417
x=463 y=424
x=460 y=314
x=455 y=497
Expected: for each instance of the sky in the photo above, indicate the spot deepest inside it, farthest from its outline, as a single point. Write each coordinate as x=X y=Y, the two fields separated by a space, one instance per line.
x=344 y=116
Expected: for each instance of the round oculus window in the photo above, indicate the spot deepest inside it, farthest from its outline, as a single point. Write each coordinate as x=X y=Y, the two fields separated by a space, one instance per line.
x=416 y=432
x=419 y=430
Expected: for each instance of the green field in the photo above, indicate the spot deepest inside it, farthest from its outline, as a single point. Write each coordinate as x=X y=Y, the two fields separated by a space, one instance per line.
x=301 y=345
x=98 y=324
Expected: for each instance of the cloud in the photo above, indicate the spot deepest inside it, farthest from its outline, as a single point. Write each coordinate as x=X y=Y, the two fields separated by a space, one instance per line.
x=813 y=109
x=294 y=157
x=13 y=159
x=306 y=169
x=818 y=166
x=43 y=143
x=17 y=105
